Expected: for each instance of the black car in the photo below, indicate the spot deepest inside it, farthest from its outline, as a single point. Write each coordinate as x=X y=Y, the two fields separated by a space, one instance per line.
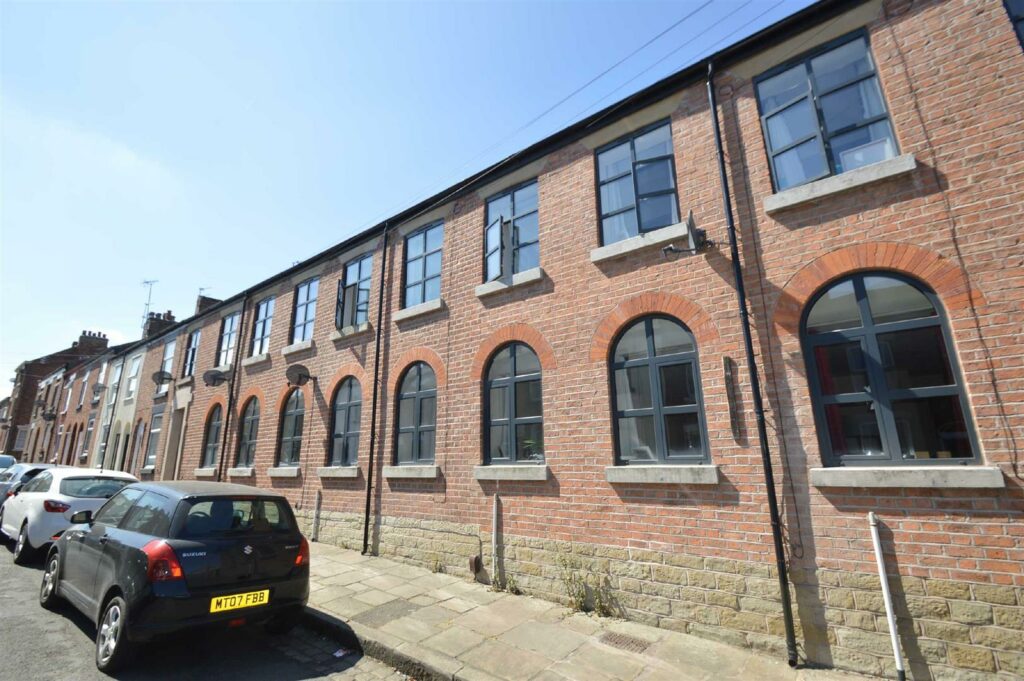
x=162 y=557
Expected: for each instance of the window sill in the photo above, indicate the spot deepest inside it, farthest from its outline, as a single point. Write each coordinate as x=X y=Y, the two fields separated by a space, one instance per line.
x=519 y=279
x=924 y=477
x=417 y=310
x=511 y=472
x=412 y=471
x=657 y=237
x=205 y=472
x=242 y=472
x=663 y=475
x=223 y=368
x=160 y=397
x=183 y=382
x=836 y=184
x=256 y=359
x=347 y=332
x=147 y=470
x=283 y=472
x=296 y=348
x=128 y=400
x=338 y=472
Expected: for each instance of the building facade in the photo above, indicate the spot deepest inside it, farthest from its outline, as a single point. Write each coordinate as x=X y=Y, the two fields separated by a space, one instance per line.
x=526 y=346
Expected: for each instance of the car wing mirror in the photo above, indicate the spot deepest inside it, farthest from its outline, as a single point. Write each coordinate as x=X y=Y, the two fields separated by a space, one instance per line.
x=82 y=517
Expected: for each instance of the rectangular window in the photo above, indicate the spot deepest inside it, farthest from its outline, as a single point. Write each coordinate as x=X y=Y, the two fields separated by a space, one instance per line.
x=353 y=307
x=637 y=184
x=261 y=328
x=84 y=449
x=115 y=381
x=824 y=114
x=228 y=337
x=1015 y=8
x=165 y=365
x=133 y=376
x=423 y=265
x=188 y=367
x=19 y=439
x=511 y=237
x=154 y=435
x=304 y=313
x=81 y=392
x=67 y=398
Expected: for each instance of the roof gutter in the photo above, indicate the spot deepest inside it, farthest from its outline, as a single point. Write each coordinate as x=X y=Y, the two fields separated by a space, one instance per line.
x=755 y=381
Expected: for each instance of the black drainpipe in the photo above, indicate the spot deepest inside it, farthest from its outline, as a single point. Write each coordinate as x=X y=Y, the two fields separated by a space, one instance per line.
x=755 y=382
x=376 y=388
x=233 y=382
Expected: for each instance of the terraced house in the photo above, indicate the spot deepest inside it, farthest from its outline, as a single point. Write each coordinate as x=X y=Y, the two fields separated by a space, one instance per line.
x=551 y=354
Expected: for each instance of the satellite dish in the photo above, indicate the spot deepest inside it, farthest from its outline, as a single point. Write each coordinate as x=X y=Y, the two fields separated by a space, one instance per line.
x=98 y=388
x=297 y=374
x=213 y=378
x=49 y=416
x=697 y=238
x=162 y=377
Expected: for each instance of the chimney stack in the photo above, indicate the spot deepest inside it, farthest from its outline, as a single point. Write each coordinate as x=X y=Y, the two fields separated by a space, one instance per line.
x=91 y=341
x=157 y=323
x=204 y=303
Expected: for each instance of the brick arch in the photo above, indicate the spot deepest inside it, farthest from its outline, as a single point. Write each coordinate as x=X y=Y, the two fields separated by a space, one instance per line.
x=413 y=355
x=282 y=398
x=344 y=371
x=209 y=409
x=656 y=302
x=523 y=333
x=248 y=395
x=948 y=280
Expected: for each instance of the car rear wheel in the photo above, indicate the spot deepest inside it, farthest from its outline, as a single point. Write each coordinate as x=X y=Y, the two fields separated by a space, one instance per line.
x=48 y=597
x=23 y=551
x=113 y=649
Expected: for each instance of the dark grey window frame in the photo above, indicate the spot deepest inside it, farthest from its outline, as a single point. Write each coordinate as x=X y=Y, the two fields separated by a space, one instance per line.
x=508 y=244
x=357 y=311
x=299 y=328
x=261 y=327
x=417 y=396
x=821 y=134
x=657 y=409
x=289 y=446
x=211 y=436
x=509 y=418
x=422 y=282
x=188 y=366
x=880 y=394
x=600 y=182
x=1016 y=17
x=342 y=454
x=248 y=433
x=227 y=341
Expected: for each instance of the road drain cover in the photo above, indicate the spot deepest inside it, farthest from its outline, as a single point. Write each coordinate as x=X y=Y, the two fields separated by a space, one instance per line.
x=625 y=642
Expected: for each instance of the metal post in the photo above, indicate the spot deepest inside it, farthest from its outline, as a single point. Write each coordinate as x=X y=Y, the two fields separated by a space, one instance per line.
x=376 y=388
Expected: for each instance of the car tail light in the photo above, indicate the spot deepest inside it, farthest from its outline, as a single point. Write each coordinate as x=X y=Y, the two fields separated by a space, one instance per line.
x=51 y=506
x=163 y=562
x=303 y=557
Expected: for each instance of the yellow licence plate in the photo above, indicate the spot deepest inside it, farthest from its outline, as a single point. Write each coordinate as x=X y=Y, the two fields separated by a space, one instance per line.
x=236 y=601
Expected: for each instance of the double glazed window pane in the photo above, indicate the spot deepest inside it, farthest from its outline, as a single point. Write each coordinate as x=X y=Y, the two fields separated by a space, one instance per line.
x=677 y=389
x=836 y=309
x=842 y=368
x=793 y=123
x=614 y=161
x=528 y=399
x=785 y=87
x=617 y=194
x=915 y=358
x=842 y=64
x=637 y=441
x=932 y=428
x=852 y=104
x=863 y=146
x=802 y=163
x=683 y=435
x=853 y=429
x=658 y=211
x=892 y=300
x=633 y=388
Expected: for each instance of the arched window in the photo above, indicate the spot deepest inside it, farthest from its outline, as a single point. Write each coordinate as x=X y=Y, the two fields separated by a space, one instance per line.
x=348 y=403
x=248 y=434
x=211 y=443
x=884 y=385
x=417 y=415
x=291 y=430
x=513 y=413
x=659 y=416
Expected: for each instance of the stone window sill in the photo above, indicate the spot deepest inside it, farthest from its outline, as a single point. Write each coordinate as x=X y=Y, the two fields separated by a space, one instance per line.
x=296 y=348
x=417 y=471
x=241 y=472
x=205 y=472
x=836 y=184
x=256 y=359
x=184 y=381
x=223 y=368
x=418 y=310
x=925 y=477
x=658 y=237
x=347 y=332
x=338 y=472
x=519 y=279
x=510 y=472
x=283 y=472
x=147 y=470
x=663 y=475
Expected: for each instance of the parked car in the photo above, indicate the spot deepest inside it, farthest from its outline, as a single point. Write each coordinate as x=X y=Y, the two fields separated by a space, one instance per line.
x=6 y=461
x=18 y=474
x=161 y=557
x=43 y=507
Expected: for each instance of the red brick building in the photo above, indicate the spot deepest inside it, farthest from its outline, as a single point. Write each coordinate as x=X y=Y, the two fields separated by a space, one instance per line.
x=528 y=335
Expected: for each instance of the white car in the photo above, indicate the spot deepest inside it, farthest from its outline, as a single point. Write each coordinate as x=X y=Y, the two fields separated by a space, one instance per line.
x=43 y=507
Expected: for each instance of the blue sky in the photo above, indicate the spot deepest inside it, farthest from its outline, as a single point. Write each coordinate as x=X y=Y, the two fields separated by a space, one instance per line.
x=214 y=144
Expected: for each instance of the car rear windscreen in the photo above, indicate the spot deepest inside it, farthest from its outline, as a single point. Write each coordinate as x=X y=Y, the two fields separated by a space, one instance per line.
x=92 y=487
x=228 y=516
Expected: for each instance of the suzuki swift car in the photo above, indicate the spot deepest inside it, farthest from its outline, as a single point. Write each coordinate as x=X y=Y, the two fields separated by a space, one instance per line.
x=163 y=557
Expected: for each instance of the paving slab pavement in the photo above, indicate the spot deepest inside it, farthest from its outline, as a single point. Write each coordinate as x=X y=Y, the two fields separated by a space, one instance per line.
x=437 y=626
